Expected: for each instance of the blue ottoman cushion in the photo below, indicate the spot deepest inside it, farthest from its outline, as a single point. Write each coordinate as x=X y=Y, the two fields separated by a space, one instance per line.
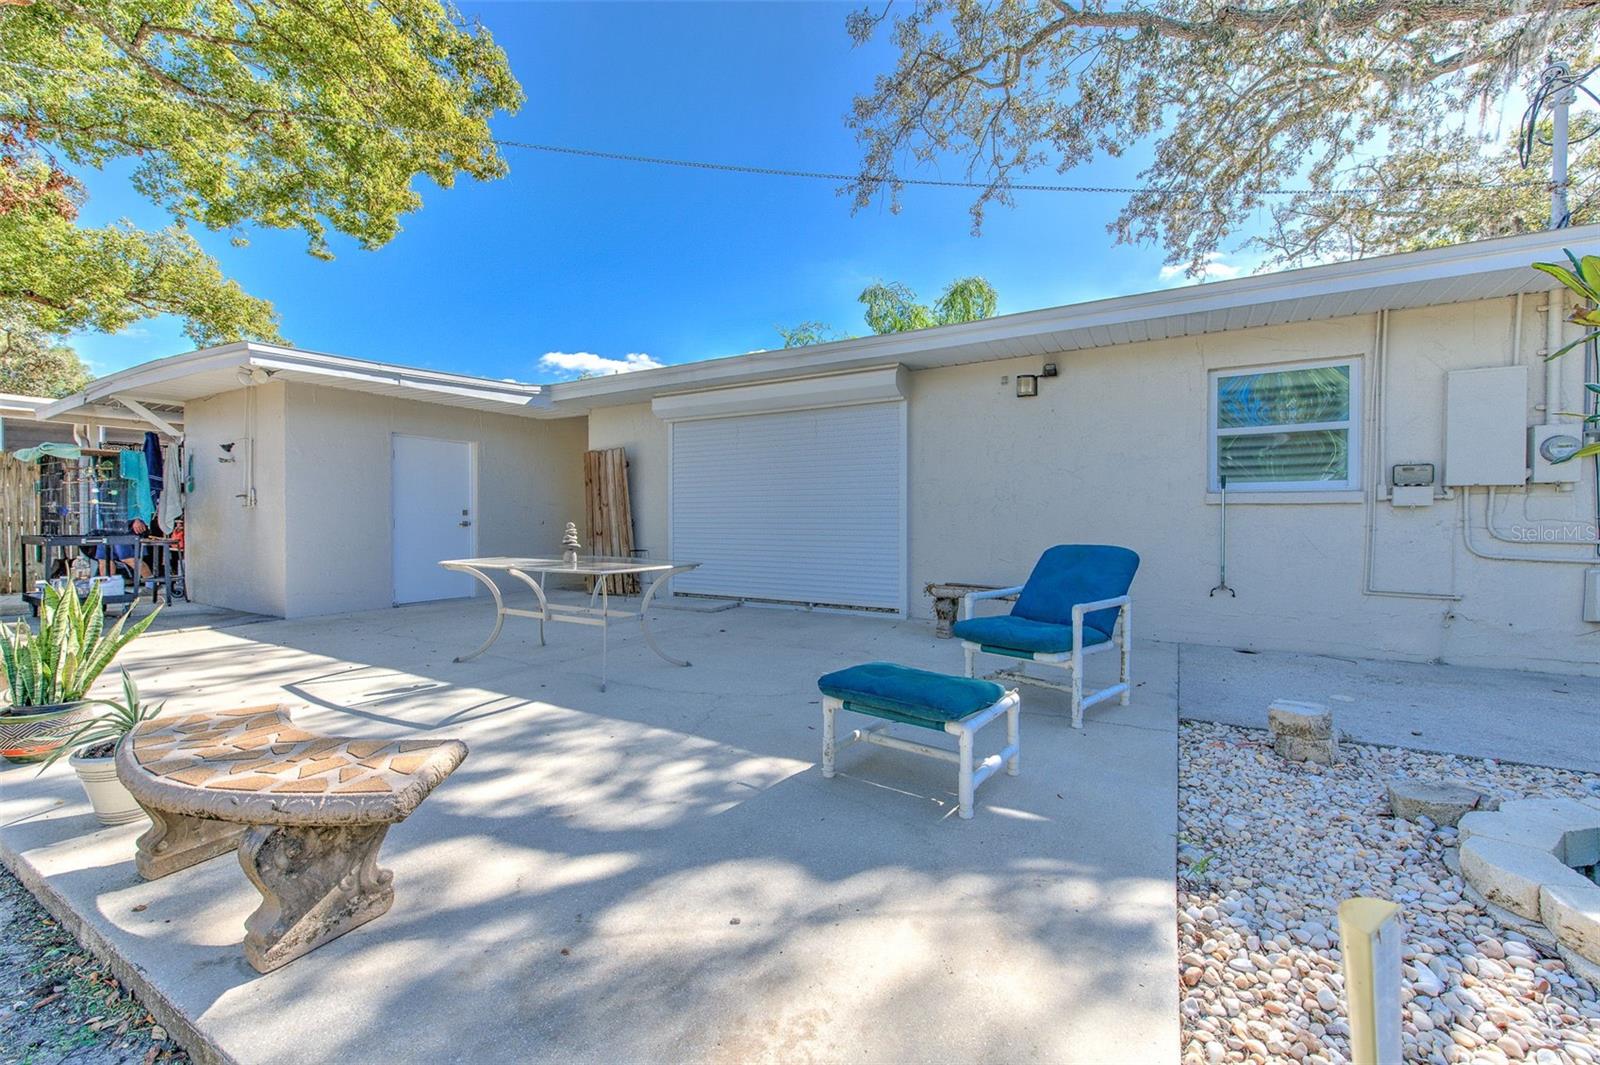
x=1008 y=633
x=915 y=694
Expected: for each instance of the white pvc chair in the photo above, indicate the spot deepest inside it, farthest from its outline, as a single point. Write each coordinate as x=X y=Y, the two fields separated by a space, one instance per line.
x=1076 y=603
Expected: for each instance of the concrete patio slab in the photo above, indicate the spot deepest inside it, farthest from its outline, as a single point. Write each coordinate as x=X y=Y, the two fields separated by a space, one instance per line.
x=1486 y=713
x=660 y=873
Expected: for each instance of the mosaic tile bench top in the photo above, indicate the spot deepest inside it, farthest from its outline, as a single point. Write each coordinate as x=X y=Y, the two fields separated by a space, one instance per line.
x=254 y=765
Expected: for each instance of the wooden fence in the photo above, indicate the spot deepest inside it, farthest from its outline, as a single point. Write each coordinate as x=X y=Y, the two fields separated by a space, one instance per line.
x=19 y=514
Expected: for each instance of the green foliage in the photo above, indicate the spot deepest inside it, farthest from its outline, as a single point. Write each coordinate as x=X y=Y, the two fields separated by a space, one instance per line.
x=966 y=299
x=1229 y=101
x=808 y=333
x=57 y=277
x=34 y=364
x=1581 y=276
x=893 y=308
x=110 y=727
x=70 y=650
x=1310 y=229
x=314 y=116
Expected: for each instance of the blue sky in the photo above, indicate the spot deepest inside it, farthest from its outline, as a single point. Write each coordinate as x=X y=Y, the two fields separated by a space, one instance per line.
x=585 y=256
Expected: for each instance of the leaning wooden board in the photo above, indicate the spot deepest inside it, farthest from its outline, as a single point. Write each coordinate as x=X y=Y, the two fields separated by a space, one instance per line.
x=610 y=514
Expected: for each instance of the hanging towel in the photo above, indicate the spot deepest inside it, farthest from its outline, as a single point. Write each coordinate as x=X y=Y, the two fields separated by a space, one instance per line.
x=170 y=506
x=61 y=451
x=152 y=462
x=131 y=467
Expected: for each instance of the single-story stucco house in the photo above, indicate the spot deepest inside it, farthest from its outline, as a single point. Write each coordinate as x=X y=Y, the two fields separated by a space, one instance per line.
x=1385 y=427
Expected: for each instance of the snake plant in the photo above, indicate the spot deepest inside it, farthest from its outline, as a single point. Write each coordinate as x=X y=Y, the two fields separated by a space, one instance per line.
x=72 y=647
x=99 y=737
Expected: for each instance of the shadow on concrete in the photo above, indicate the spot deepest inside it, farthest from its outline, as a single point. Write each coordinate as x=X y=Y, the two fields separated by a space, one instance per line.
x=659 y=872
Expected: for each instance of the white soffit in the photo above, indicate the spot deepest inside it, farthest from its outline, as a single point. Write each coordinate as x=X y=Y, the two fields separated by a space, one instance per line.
x=881 y=385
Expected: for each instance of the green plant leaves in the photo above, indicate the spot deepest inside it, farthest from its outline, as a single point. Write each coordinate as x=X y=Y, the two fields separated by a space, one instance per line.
x=1584 y=452
x=60 y=662
x=110 y=727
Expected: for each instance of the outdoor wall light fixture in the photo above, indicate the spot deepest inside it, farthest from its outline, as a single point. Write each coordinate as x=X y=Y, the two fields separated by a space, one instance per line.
x=1028 y=383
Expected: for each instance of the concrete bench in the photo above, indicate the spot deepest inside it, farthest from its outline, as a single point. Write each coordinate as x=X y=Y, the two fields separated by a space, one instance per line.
x=958 y=706
x=306 y=812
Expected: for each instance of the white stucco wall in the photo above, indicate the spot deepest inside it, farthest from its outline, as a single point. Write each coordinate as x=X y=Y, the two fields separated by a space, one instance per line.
x=1115 y=450
x=338 y=532
x=236 y=555
x=645 y=437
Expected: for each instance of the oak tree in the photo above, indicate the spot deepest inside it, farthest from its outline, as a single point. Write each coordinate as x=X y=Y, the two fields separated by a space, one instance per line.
x=1233 y=102
x=309 y=115
x=34 y=363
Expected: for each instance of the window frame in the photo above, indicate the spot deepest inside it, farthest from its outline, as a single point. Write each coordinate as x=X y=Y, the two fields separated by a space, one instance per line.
x=1352 y=426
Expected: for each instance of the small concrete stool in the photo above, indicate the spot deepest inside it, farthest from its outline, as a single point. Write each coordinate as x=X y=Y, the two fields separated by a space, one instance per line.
x=1303 y=732
x=958 y=706
x=1440 y=802
x=306 y=812
x=947 y=596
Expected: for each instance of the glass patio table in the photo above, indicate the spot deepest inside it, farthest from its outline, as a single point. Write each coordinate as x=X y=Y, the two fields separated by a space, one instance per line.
x=535 y=572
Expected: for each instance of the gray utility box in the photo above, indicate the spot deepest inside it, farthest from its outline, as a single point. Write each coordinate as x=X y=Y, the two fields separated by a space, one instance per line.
x=1486 y=426
x=1591 y=594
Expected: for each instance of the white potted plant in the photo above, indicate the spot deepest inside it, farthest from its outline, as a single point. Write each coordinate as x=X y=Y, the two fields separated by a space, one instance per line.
x=94 y=748
x=49 y=672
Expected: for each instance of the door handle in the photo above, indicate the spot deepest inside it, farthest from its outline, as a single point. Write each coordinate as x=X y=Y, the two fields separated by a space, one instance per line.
x=464 y=524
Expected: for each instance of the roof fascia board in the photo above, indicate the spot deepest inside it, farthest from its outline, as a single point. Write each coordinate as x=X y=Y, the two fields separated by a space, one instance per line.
x=137 y=379
x=353 y=374
x=1480 y=257
x=388 y=373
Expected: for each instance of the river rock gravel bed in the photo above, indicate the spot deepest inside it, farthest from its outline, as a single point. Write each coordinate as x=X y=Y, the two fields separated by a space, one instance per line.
x=1267 y=849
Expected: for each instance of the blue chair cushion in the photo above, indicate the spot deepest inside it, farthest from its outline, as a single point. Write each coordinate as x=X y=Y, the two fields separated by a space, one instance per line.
x=1069 y=574
x=916 y=696
x=1008 y=633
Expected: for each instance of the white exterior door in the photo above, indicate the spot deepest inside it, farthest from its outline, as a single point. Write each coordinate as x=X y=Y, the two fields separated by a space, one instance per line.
x=795 y=507
x=435 y=514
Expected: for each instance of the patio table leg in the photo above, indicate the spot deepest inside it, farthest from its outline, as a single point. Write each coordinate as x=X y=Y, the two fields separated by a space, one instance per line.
x=644 y=615
x=605 y=628
x=499 y=614
x=538 y=590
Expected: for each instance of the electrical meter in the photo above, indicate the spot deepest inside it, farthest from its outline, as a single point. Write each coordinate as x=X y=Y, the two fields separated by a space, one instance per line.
x=1550 y=447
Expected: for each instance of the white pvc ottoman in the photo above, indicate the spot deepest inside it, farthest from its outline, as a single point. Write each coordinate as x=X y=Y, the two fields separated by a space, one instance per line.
x=957 y=706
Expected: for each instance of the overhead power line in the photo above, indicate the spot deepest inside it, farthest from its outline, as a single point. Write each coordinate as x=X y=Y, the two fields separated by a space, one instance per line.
x=83 y=77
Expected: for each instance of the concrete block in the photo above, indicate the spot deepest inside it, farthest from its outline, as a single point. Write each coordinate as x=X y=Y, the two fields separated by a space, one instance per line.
x=1525 y=830
x=1291 y=717
x=1303 y=732
x=1322 y=752
x=1440 y=802
x=1511 y=875
x=1572 y=911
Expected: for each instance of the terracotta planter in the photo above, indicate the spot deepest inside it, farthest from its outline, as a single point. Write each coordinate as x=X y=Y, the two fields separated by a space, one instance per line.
x=113 y=804
x=31 y=733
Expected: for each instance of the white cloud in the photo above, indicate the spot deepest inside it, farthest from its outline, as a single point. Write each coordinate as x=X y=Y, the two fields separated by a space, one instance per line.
x=1214 y=270
x=589 y=364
